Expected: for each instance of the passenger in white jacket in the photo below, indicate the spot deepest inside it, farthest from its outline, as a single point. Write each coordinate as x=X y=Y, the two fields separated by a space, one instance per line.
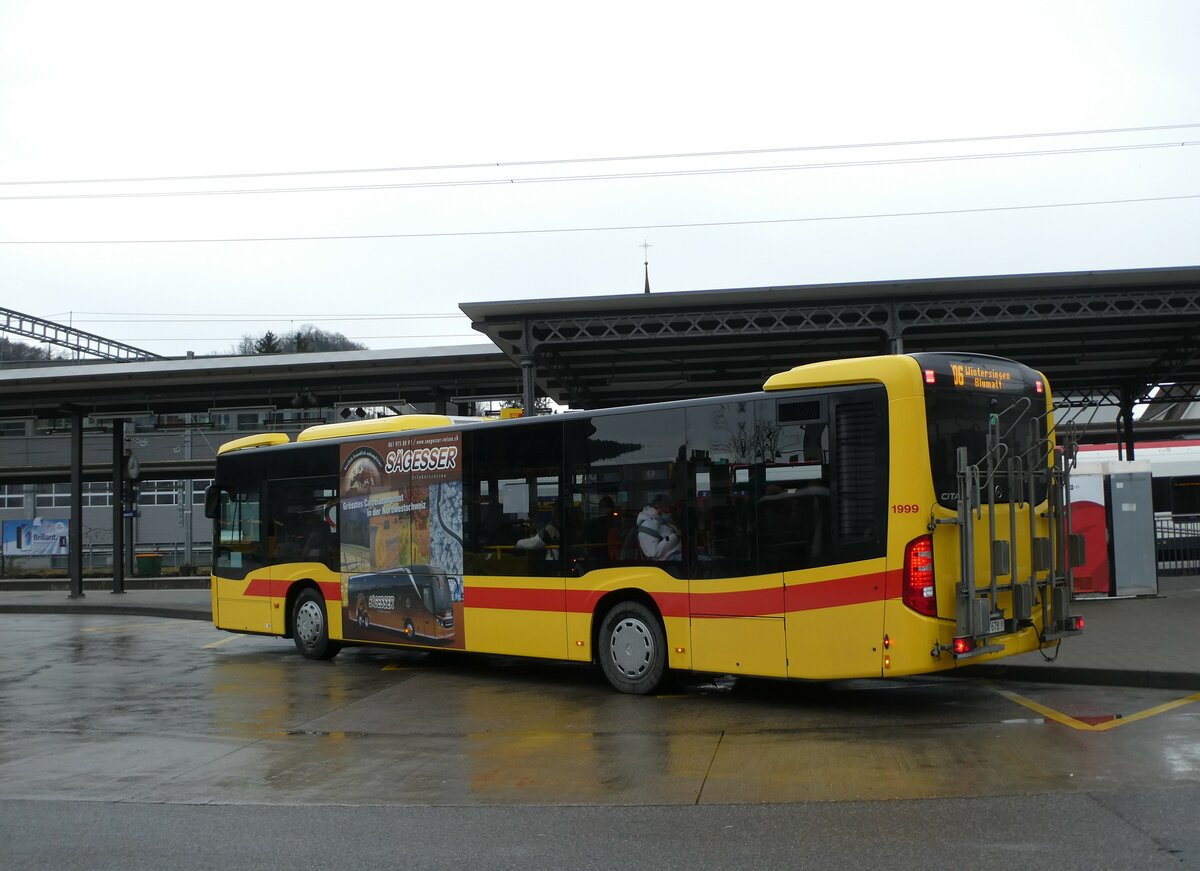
x=657 y=535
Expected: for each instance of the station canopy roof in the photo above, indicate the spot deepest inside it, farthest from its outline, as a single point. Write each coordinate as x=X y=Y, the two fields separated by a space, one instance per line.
x=259 y=382
x=1096 y=335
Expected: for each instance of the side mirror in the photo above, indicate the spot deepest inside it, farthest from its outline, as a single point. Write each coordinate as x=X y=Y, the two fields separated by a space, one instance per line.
x=212 y=502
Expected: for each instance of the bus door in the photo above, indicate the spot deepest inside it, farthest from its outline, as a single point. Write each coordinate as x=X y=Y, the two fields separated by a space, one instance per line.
x=514 y=593
x=735 y=597
x=241 y=580
x=301 y=542
x=823 y=522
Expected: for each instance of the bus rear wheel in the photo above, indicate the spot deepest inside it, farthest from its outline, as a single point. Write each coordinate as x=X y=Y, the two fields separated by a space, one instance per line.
x=633 y=648
x=310 y=627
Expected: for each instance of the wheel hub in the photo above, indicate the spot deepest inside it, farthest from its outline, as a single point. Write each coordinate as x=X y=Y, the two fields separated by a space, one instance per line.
x=308 y=623
x=632 y=647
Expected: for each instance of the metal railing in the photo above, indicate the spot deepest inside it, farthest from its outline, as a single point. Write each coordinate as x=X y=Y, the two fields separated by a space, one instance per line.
x=98 y=557
x=1177 y=544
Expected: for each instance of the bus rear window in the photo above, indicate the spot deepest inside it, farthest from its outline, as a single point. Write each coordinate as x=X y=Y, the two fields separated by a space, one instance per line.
x=960 y=419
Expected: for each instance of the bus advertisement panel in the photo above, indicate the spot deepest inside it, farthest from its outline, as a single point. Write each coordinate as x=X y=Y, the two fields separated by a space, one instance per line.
x=400 y=523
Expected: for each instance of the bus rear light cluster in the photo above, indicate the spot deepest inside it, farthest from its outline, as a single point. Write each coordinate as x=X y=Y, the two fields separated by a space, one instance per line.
x=1075 y=624
x=918 y=589
x=963 y=644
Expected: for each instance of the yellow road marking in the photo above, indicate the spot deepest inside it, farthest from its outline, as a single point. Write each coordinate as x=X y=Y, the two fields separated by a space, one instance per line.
x=1149 y=712
x=223 y=641
x=121 y=628
x=1068 y=720
x=395 y=666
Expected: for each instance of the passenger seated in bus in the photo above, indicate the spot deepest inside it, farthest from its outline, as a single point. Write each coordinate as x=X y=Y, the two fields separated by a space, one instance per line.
x=547 y=535
x=657 y=535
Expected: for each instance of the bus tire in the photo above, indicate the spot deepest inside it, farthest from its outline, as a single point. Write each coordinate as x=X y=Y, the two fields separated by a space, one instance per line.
x=310 y=626
x=632 y=648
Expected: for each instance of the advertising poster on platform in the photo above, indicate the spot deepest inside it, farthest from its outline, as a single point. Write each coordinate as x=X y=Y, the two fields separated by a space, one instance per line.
x=400 y=523
x=36 y=537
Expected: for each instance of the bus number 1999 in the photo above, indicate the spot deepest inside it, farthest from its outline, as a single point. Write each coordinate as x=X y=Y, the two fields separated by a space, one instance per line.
x=906 y=508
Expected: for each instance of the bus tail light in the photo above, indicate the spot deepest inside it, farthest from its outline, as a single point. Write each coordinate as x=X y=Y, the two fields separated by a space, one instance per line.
x=918 y=591
x=963 y=645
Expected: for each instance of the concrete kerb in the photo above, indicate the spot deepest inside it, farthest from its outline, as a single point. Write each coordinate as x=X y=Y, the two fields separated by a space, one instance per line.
x=134 y=610
x=189 y=600
x=1109 y=677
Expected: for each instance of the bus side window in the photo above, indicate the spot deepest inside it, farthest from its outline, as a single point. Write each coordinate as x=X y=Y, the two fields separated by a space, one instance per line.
x=723 y=488
x=616 y=466
x=299 y=509
x=795 y=510
x=513 y=501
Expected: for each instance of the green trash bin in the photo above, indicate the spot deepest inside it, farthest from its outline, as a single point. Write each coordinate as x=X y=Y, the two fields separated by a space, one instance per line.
x=149 y=565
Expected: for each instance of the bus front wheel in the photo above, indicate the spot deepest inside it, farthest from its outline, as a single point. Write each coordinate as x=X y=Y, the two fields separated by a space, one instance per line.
x=310 y=627
x=633 y=648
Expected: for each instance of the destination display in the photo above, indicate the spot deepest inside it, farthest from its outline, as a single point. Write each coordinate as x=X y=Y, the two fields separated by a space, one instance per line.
x=980 y=377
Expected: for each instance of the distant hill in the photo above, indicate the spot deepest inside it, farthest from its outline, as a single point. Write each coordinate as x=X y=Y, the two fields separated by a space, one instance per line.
x=20 y=351
x=307 y=339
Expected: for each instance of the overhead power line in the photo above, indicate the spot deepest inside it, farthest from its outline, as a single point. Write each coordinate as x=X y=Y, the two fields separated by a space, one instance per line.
x=601 y=229
x=176 y=318
x=612 y=159
x=733 y=170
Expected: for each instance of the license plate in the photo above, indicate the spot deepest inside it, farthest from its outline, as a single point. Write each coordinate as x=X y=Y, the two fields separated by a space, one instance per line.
x=996 y=626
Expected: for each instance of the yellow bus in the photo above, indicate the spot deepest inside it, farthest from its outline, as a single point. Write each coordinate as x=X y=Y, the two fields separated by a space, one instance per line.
x=867 y=517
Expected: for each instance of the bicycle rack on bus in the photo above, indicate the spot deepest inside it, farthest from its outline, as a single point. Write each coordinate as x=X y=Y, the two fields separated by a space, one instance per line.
x=1052 y=557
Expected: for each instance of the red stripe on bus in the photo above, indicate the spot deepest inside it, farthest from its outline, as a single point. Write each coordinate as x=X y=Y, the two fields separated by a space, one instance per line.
x=668 y=604
x=893 y=583
x=514 y=598
x=572 y=601
x=836 y=593
x=259 y=587
x=742 y=603
x=268 y=588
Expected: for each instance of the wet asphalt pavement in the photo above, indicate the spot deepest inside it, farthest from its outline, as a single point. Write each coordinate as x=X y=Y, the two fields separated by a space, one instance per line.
x=127 y=740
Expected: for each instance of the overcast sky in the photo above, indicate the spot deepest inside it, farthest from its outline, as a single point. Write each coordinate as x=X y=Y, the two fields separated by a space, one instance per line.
x=812 y=96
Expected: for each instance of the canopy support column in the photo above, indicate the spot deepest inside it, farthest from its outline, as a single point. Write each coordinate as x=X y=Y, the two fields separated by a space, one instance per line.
x=75 y=530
